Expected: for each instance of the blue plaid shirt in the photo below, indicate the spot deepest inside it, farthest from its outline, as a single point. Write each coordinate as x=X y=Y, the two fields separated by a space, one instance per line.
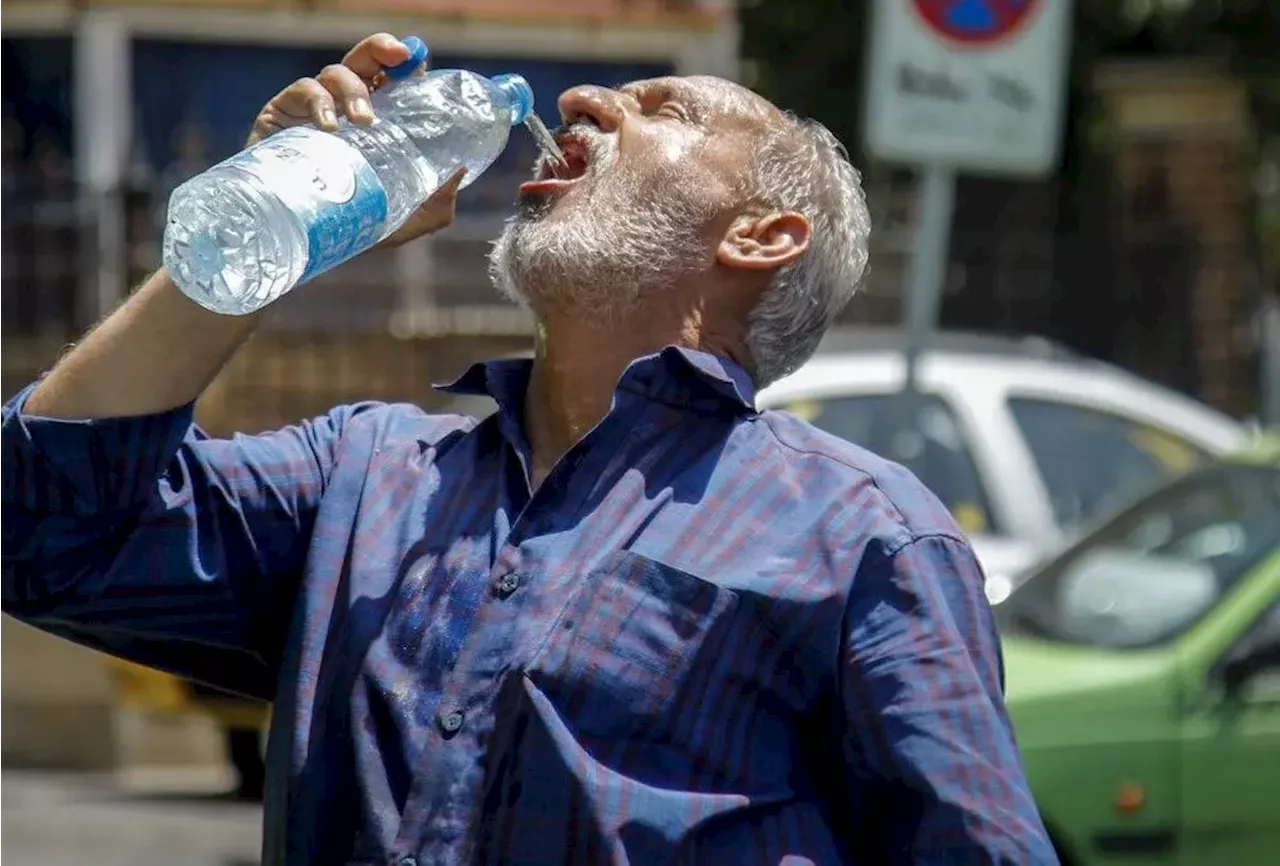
x=713 y=635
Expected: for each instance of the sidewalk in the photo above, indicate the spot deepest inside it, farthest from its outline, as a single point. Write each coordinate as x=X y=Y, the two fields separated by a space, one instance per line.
x=146 y=817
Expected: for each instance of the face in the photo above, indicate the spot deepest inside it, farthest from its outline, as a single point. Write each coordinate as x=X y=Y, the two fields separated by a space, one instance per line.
x=652 y=176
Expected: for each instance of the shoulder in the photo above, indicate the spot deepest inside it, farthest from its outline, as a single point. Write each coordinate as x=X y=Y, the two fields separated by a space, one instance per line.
x=376 y=427
x=875 y=496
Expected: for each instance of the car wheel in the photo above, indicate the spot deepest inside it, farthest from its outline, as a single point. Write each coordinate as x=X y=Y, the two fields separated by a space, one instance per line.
x=1065 y=857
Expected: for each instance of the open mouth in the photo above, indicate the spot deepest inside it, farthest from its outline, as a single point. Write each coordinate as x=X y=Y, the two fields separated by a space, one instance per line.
x=553 y=175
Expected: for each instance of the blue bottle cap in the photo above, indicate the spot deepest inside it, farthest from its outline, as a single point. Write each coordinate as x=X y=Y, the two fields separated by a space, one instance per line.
x=417 y=57
x=518 y=92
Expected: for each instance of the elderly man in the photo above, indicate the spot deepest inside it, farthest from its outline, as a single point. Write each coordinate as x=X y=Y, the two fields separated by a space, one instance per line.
x=627 y=619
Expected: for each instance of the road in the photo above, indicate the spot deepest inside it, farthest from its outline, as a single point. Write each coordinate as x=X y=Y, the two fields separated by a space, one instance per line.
x=71 y=820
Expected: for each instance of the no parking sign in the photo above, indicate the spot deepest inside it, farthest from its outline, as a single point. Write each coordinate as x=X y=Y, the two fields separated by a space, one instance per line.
x=977 y=22
x=978 y=85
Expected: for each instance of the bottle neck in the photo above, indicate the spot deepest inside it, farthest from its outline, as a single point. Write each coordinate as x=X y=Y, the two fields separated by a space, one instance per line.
x=518 y=94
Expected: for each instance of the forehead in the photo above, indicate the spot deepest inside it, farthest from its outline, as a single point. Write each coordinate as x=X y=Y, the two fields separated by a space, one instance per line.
x=717 y=99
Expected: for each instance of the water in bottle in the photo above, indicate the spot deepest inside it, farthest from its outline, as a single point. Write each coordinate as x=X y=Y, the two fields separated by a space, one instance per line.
x=303 y=200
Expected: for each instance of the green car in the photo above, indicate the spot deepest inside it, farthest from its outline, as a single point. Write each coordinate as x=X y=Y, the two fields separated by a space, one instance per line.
x=1143 y=675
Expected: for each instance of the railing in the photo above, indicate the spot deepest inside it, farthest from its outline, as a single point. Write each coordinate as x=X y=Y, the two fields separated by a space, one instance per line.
x=46 y=254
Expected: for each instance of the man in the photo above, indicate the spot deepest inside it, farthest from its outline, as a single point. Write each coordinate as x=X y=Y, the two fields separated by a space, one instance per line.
x=628 y=619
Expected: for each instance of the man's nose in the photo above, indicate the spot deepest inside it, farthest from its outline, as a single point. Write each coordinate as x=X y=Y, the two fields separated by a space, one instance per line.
x=600 y=105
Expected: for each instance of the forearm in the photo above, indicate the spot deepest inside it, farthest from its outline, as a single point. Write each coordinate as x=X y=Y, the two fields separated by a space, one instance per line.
x=158 y=351
x=926 y=719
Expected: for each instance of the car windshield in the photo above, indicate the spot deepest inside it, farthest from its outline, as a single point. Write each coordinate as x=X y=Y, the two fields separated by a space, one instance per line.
x=934 y=447
x=1092 y=462
x=1156 y=568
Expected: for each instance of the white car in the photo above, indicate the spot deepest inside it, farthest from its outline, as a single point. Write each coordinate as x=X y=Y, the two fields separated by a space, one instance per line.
x=1024 y=442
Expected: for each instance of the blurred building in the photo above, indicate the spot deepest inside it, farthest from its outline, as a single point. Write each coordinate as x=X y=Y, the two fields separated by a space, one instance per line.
x=108 y=105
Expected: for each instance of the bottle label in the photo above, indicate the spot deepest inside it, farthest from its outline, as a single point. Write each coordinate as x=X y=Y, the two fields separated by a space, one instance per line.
x=329 y=184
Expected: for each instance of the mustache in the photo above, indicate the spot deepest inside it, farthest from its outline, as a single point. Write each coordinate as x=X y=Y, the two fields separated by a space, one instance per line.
x=584 y=131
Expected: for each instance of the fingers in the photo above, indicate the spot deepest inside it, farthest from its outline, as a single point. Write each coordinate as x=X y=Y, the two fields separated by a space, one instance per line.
x=335 y=92
x=372 y=53
x=432 y=215
x=341 y=89
x=450 y=187
x=437 y=211
x=304 y=101
x=349 y=92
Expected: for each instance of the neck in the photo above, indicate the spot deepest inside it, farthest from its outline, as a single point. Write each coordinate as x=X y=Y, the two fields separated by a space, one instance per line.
x=576 y=370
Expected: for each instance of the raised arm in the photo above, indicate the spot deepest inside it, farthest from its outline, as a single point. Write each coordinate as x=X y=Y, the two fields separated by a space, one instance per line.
x=926 y=734
x=124 y=526
x=160 y=350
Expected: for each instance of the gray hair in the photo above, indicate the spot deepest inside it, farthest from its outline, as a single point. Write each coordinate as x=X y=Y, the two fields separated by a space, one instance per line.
x=803 y=167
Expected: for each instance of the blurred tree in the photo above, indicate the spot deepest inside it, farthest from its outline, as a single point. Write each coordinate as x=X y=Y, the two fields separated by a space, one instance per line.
x=1243 y=34
x=807 y=55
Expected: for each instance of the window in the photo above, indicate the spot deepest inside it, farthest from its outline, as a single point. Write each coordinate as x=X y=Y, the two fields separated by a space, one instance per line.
x=1156 y=568
x=934 y=447
x=1094 y=462
x=1260 y=644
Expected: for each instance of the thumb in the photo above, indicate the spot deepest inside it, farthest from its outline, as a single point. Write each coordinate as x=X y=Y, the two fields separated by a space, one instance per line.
x=451 y=184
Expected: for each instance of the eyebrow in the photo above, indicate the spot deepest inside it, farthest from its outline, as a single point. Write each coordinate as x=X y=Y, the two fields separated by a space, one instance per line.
x=643 y=91
x=653 y=92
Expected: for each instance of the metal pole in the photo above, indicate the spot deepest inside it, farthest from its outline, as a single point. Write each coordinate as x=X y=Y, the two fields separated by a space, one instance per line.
x=925 y=277
x=928 y=267
x=103 y=125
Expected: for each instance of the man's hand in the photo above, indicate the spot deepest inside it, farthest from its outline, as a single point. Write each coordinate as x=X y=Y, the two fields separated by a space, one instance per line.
x=342 y=90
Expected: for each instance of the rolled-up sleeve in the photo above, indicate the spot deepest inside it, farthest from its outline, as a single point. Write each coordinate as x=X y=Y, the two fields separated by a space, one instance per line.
x=148 y=539
x=927 y=738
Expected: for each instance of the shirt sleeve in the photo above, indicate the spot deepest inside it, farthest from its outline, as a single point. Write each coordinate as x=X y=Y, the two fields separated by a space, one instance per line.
x=150 y=540
x=937 y=777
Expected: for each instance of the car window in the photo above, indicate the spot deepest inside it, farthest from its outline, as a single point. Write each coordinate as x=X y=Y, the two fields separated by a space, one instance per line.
x=1094 y=462
x=936 y=448
x=1156 y=568
x=1264 y=633
x=1261 y=644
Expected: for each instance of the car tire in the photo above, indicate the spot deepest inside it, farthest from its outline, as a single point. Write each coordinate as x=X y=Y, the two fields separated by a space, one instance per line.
x=1065 y=857
x=244 y=751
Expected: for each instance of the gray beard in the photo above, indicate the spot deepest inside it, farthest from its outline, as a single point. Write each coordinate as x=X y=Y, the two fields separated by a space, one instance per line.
x=621 y=246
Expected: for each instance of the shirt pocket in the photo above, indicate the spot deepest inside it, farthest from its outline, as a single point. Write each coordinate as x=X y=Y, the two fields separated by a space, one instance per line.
x=633 y=650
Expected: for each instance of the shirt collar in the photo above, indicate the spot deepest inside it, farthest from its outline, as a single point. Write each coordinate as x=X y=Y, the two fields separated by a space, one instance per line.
x=674 y=375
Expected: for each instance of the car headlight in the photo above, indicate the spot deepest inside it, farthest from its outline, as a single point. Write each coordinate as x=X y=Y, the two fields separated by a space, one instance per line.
x=998 y=588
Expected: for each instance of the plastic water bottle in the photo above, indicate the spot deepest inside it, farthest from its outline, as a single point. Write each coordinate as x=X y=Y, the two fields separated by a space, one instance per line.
x=303 y=200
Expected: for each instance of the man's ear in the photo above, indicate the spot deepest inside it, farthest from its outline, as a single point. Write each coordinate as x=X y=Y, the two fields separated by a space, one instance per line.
x=766 y=242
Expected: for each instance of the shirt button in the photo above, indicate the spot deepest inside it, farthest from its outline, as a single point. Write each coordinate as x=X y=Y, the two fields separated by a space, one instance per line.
x=451 y=722
x=507 y=584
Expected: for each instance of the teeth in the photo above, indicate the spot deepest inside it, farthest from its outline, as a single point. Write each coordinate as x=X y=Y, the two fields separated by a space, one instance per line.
x=572 y=166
